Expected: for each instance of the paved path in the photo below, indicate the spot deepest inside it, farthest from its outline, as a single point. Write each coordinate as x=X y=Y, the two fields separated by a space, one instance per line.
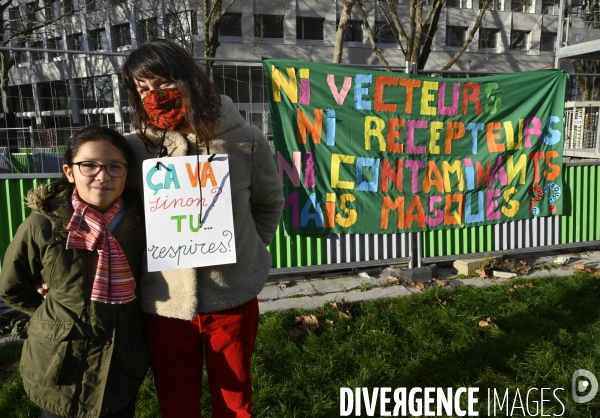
x=312 y=292
x=371 y=284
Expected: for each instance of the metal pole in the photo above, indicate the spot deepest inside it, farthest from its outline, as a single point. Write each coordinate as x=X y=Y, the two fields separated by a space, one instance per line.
x=414 y=237
x=559 y=33
x=598 y=132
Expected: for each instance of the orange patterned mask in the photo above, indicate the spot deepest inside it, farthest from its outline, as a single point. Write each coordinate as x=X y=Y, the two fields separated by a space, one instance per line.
x=164 y=109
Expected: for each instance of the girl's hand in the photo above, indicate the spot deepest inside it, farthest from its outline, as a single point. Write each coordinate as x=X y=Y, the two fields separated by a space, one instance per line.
x=43 y=289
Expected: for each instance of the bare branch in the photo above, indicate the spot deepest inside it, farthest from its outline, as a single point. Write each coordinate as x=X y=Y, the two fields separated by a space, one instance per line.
x=390 y=14
x=359 y=5
x=462 y=49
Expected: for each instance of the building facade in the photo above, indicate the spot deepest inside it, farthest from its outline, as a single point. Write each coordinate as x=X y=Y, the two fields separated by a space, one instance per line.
x=59 y=91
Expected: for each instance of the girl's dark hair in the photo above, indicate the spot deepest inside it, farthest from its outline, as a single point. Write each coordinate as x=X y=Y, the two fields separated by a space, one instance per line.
x=168 y=60
x=89 y=134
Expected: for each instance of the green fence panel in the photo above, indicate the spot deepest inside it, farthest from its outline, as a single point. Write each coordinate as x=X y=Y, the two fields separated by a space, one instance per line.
x=582 y=223
x=21 y=163
x=13 y=209
x=297 y=251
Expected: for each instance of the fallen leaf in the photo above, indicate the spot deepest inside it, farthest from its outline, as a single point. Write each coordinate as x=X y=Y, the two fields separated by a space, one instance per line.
x=329 y=321
x=441 y=301
x=308 y=323
x=345 y=314
x=281 y=285
x=511 y=290
x=481 y=273
x=597 y=275
x=420 y=286
x=339 y=303
x=588 y=270
x=488 y=322
x=393 y=280
x=578 y=266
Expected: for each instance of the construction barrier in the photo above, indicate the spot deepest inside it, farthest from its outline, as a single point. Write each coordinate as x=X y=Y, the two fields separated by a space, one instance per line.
x=578 y=227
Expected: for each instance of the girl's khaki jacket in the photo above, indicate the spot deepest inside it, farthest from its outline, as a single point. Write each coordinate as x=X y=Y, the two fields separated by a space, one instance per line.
x=80 y=358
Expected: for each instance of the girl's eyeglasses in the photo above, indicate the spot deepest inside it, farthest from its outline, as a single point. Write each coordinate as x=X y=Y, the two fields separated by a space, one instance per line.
x=91 y=168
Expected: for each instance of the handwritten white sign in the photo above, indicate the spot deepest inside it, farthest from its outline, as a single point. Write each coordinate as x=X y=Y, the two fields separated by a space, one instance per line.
x=189 y=220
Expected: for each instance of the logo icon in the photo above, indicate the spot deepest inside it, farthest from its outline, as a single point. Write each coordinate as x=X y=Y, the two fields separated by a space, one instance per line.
x=580 y=386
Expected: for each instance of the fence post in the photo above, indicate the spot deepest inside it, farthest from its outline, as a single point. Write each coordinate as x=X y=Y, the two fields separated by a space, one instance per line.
x=598 y=132
x=416 y=256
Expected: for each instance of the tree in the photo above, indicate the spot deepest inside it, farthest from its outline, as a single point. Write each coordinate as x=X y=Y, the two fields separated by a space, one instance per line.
x=341 y=29
x=213 y=12
x=414 y=37
x=176 y=20
x=179 y=23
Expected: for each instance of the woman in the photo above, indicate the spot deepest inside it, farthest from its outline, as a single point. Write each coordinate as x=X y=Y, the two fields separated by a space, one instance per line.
x=85 y=353
x=208 y=311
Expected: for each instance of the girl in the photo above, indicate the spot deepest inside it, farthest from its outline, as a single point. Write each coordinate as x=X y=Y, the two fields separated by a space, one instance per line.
x=210 y=311
x=84 y=355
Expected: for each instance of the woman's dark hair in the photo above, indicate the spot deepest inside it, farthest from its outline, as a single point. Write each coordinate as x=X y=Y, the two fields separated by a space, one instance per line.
x=163 y=58
x=89 y=134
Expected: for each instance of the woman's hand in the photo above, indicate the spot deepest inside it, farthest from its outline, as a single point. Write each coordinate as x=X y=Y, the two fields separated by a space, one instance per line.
x=43 y=289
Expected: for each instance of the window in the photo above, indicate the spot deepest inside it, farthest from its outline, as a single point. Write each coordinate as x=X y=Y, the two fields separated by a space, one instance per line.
x=550 y=7
x=494 y=5
x=231 y=24
x=488 y=38
x=96 y=92
x=528 y=6
x=97 y=40
x=548 y=42
x=55 y=95
x=309 y=28
x=49 y=9
x=37 y=55
x=267 y=26
x=172 y=26
x=68 y=6
x=89 y=4
x=122 y=34
x=194 y=22
x=55 y=43
x=22 y=97
x=14 y=17
x=519 y=40
x=353 y=32
x=384 y=34
x=31 y=10
x=462 y=4
x=455 y=36
x=21 y=57
x=147 y=30
x=75 y=41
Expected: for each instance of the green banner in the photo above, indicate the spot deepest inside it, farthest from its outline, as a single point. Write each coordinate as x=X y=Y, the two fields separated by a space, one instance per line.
x=373 y=152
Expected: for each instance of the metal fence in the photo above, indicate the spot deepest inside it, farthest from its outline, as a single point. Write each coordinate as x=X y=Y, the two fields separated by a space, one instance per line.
x=46 y=114
x=578 y=227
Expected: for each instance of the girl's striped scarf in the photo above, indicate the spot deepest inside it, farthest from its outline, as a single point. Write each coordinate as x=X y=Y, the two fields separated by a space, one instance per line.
x=114 y=282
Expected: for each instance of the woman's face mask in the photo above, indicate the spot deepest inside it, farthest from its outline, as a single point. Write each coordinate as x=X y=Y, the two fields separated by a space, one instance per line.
x=164 y=109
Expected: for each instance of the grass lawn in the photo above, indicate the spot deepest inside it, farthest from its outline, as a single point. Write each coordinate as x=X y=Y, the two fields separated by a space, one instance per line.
x=522 y=335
